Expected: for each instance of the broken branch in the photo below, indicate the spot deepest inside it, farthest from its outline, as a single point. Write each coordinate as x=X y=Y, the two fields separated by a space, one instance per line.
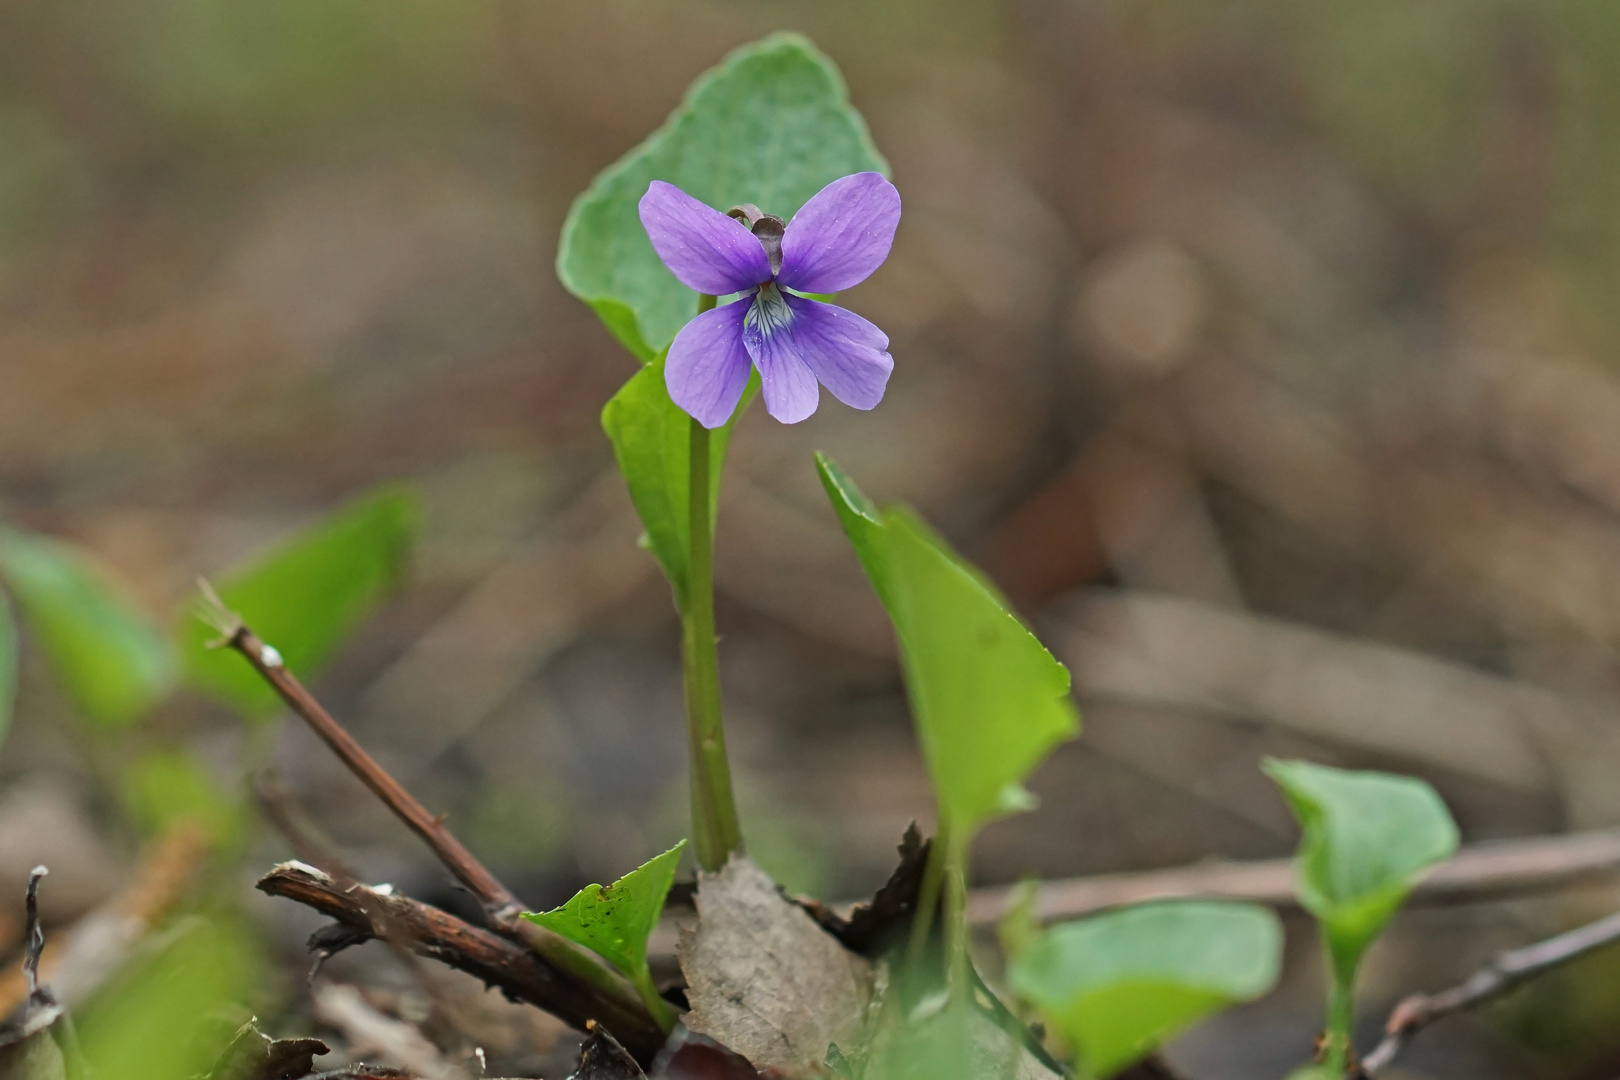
x=502 y=906
x=1477 y=872
x=519 y=973
x=1496 y=978
x=460 y=862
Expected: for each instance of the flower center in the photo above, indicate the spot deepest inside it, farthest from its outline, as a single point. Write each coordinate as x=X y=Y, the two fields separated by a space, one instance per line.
x=767 y=227
x=768 y=313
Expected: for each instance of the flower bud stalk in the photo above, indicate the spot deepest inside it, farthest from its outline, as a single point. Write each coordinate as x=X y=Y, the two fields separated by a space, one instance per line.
x=716 y=832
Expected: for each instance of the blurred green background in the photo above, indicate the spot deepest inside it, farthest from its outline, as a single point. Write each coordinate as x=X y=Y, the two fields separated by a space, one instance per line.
x=1264 y=352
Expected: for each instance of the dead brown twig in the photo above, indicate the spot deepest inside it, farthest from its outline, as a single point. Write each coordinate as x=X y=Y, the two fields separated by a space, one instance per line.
x=312 y=846
x=593 y=978
x=1477 y=872
x=1496 y=978
x=518 y=972
x=369 y=1031
x=81 y=960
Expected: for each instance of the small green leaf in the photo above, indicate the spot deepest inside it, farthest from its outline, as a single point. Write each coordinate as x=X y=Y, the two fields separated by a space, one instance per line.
x=1022 y=922
x=8 y=665
x=652 y=440
x=614 y=920
x=163 y=788
x=1118 y=984
x=989 y=700
x=168 y=1013
x=307 y=595
x=771 y=125
x=1367 y=837
x=111 y=662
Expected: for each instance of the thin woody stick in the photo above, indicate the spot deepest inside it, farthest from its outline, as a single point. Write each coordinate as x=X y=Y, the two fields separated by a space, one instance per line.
x=312 y=847
x=503 y=908
x=1477 y=872
x=520 y=973
x=1502 y=974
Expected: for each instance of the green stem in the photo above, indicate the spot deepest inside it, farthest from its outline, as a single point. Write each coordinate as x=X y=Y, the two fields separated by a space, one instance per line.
x=922 y=921
x=956 y=933
x=660 y=1009
x=714 y=810
x=1340 y=1023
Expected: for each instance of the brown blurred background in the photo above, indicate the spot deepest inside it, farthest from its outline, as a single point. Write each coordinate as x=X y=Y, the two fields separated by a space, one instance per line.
x=1264 y=352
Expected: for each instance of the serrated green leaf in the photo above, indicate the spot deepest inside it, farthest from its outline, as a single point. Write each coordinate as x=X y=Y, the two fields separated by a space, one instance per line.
x=306 y=596
x=1118 y=984
x=990 y=702
x=1367 y=837
x=771 y=125
x=652 y=440
x=111 y=662
x=615 y=920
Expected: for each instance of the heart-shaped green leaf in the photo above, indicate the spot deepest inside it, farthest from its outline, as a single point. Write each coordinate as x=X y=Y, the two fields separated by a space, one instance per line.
x=615 y=920
x=771 y=125
x=652 y=441
x=1367 y=837
x=990 y=702
x=109 y=659
x=1118 y=984
x=306 y=596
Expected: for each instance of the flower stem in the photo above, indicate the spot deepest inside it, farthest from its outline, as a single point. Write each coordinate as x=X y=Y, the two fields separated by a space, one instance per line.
x=928 y=897
x=956 y=938
x=1340 y=1022
x=660 y=1009
x=714 y=811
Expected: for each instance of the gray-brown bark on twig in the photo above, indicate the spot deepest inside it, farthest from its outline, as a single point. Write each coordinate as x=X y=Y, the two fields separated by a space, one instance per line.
x=1502 y=974
x=438 y=935
x=574 y=965
x=1477 y=872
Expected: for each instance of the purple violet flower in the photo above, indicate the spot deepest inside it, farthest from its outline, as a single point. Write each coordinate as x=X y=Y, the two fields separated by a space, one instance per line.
x=834 y=242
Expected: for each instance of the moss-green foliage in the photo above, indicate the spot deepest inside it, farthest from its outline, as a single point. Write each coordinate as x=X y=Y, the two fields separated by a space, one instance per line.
x=106 y=656
x=169 y=1014
x=306 y=596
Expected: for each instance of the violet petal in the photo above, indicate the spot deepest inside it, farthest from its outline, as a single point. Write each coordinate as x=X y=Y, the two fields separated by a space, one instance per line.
x=703 y=248
x=847 y=354
x=787 y=384
x=707 y=366
x=841 y=235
